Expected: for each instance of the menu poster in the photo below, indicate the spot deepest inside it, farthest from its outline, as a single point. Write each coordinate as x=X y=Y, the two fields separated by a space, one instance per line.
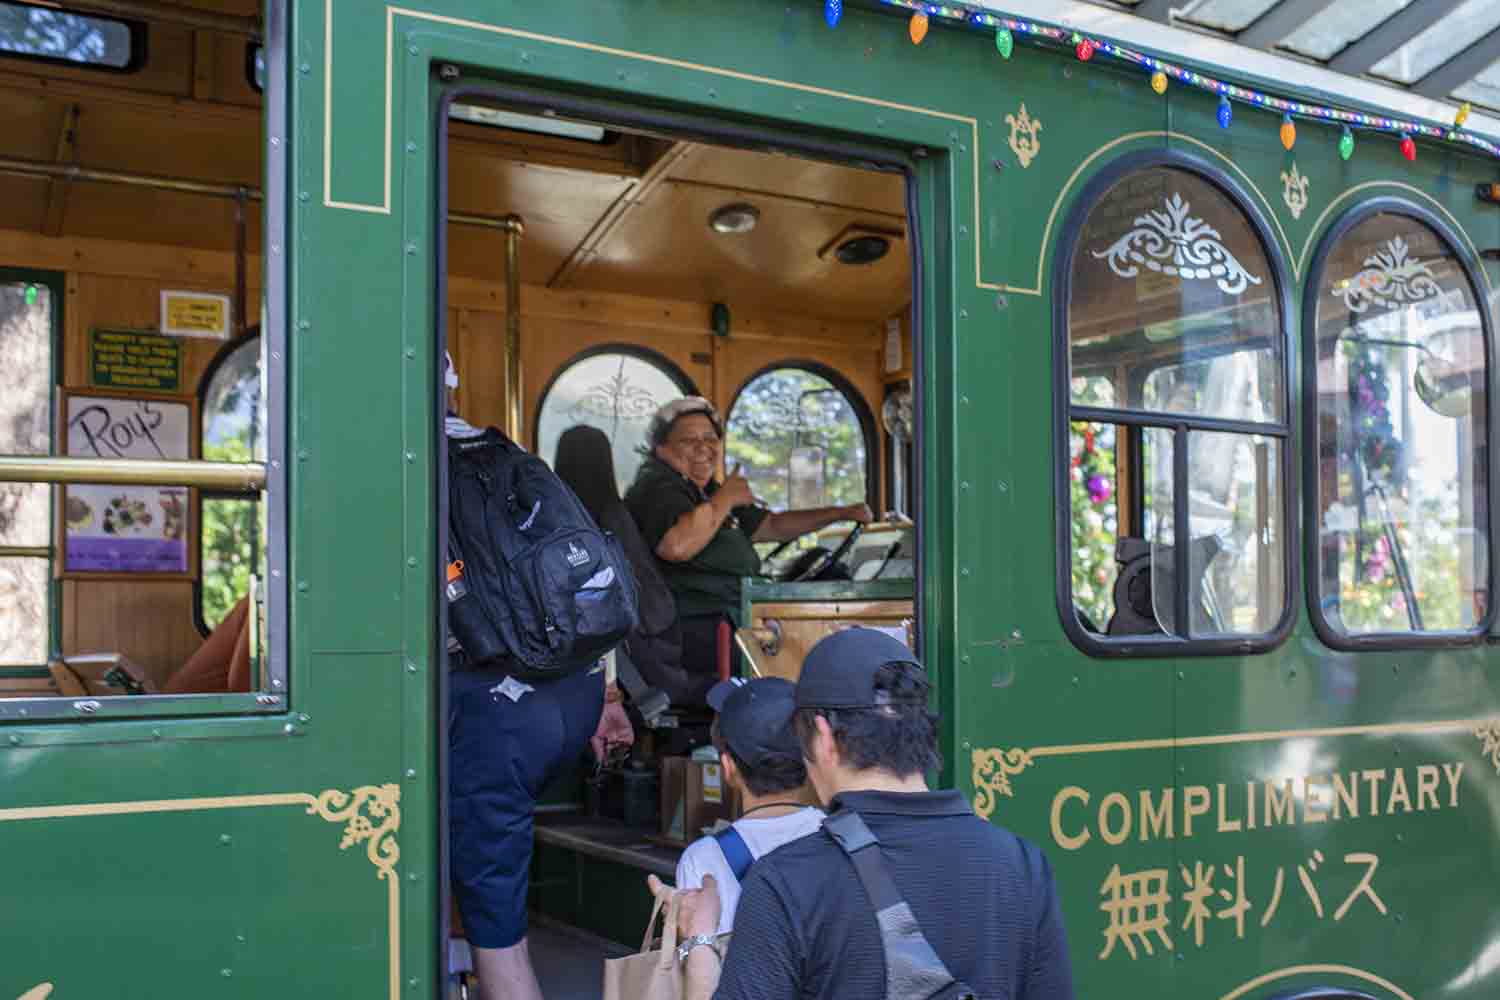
x=127 y=529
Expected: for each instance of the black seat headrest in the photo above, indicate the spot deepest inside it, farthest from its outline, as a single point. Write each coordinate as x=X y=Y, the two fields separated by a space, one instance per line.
x=586 y=462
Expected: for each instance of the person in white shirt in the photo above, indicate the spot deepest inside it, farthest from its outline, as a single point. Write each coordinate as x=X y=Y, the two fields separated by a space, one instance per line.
x=762 y=761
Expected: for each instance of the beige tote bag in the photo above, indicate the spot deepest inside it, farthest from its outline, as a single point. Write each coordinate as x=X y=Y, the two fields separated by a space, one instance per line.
x=648 y=975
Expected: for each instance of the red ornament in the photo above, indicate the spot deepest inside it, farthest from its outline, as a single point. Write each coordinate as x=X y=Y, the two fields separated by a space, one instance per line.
x=1408 y=148
x=1085 y=50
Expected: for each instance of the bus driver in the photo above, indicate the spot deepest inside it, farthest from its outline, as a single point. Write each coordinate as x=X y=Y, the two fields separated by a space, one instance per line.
x=704 y=531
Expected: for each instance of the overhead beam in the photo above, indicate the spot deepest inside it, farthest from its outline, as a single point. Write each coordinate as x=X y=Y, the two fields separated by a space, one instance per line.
x=1279 y=22
x=614 y=217
x=1462 y=68
x=1392 y=33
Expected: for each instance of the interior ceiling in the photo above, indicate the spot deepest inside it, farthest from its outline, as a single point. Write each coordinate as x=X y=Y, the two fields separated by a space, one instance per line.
x=642 y=227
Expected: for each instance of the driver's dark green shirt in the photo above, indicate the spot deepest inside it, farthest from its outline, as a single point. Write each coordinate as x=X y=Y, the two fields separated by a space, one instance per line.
x=709 y=583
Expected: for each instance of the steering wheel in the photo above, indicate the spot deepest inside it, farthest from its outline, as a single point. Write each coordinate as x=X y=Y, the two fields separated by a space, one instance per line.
x=824 y=559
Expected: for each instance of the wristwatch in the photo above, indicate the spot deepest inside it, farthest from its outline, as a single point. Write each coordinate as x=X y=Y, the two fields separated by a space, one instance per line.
x=711 y=940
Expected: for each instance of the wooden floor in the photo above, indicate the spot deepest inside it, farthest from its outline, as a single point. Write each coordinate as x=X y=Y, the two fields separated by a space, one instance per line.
x=569 y=961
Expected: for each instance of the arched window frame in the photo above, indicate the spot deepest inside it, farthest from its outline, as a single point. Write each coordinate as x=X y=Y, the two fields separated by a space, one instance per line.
x=857 y=403
x=1330 y=636
x=657 y=360
x=225 y=352
x=1064 y=412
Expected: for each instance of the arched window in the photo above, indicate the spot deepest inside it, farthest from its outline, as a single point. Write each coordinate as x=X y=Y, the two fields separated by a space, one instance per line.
x=1176 y=466
x=233 y=427
x=803 y=438
x=1399 y=433
x=616 y=389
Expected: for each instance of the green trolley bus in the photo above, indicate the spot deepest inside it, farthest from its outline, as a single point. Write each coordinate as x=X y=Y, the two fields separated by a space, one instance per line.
x=1161 y=340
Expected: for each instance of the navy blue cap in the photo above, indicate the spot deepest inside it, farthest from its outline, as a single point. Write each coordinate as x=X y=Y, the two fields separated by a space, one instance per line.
x=839 y=672
x=755 y=718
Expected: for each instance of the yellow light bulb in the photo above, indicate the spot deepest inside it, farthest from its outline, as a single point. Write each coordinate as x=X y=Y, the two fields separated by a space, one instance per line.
x=1463 y=114
x=1159 y=82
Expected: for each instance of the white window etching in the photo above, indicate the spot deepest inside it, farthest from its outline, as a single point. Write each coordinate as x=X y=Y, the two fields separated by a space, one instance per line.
x=1174 y=243
x=1390 y=278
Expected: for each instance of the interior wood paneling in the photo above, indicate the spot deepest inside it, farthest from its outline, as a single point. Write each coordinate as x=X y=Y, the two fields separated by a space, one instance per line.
x=152 y=623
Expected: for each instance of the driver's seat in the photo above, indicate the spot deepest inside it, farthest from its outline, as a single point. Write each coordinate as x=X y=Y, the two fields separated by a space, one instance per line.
x=585 y=461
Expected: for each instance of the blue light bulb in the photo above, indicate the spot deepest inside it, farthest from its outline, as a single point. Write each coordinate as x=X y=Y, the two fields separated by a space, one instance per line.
x=832 y=11
x=1226 y=113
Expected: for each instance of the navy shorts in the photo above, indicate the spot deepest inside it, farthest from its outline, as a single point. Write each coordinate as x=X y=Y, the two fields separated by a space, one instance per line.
x=503 y=753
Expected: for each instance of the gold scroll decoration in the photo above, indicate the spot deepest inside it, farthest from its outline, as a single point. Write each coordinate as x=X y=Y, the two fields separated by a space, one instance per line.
x=992 y=771
x=371 y=816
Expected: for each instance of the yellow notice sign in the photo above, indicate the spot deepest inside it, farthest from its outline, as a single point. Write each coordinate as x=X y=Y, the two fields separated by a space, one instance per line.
x=195 y=314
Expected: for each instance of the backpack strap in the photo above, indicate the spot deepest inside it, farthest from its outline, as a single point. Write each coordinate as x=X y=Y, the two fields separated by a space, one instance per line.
x=913 y=971
x=736 y=852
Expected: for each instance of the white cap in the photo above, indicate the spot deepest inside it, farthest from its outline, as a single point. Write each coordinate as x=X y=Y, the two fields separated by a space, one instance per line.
x=450 y=375
x=671 y=412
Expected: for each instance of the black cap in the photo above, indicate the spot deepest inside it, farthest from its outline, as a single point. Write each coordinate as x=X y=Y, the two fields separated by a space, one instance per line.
x=755 y=718
x=839 y=672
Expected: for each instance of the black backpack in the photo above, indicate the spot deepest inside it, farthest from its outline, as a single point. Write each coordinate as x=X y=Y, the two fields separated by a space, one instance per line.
x=544 y=592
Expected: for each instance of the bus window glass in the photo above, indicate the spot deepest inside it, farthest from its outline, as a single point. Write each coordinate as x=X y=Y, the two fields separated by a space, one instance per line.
x=616 y=391
x=1402 y=447
x=26 y=325
x=43 y=32
x=1175 y=330
x=1171 y=284
x=233 y=535
x=1094 y=484
x=1235 y=516
x=800 y=440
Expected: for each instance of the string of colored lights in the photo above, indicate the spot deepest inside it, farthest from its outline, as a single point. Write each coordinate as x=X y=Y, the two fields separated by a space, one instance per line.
x=1007 y=29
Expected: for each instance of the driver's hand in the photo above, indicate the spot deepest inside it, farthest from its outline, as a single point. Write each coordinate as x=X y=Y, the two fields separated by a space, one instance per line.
x=736 y=491
x=859 y=512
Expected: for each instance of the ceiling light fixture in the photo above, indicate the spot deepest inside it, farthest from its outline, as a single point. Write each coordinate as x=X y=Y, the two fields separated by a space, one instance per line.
x=860 y=244
x=737 y=218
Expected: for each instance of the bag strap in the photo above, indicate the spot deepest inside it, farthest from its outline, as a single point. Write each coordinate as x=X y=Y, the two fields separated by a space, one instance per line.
x=862 y=848
x=913 y=971
x=668 y=930
x=736 y=852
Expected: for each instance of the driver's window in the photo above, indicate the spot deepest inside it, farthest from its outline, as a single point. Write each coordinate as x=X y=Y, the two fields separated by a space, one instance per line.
x=801 y=439
x=1401 y=434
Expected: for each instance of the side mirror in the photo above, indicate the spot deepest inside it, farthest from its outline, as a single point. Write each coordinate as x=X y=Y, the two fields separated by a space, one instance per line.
x=1447 y=369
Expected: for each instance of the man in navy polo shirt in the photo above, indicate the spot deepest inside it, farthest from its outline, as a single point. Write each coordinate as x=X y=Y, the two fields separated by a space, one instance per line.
x=984 y=898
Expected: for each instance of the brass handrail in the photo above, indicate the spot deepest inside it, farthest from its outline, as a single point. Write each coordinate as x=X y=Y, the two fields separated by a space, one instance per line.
x=25 y=551
x=233 y=477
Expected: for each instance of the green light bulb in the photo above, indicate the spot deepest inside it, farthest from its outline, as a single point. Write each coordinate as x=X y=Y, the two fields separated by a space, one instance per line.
x=1004 y=42
x=31 y=295
x=1346 y=144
